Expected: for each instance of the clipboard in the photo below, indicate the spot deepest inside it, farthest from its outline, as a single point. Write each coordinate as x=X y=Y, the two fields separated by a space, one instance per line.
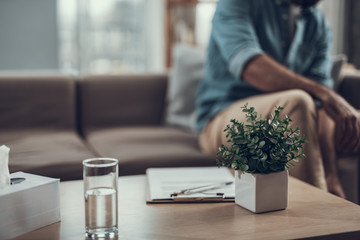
x=163 y=182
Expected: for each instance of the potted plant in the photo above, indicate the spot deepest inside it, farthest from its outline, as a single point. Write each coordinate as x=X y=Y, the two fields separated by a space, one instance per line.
x=261 y=151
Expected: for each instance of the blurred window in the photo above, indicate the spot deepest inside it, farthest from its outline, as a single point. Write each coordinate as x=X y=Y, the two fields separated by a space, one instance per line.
x=102 y=36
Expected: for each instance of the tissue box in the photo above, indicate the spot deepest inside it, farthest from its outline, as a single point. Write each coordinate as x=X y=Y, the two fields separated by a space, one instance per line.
x=29 y=205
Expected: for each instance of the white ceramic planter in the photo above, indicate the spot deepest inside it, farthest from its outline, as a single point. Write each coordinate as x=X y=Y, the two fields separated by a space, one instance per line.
x=262 y=192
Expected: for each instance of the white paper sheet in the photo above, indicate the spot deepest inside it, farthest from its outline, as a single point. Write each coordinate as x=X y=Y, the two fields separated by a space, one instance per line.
x=165 y=181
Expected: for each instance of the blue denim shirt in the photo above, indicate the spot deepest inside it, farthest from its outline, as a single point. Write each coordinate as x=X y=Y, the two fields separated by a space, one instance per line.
x=242 y=29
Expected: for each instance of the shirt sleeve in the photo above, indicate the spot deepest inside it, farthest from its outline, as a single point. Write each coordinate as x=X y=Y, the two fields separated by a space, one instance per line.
x=320 y=69
x=235 y=34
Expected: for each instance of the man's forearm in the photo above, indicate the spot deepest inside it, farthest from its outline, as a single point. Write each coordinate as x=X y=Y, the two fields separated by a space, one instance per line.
x=267 y=75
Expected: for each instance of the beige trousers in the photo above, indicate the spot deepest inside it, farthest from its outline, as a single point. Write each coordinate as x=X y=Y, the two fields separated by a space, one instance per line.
x=298 y=105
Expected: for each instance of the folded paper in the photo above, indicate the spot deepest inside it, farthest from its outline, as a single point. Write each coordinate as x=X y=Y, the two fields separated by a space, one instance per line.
x=4 y=166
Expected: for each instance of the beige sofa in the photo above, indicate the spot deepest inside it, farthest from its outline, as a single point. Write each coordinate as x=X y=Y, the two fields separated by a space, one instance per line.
x=52 y=122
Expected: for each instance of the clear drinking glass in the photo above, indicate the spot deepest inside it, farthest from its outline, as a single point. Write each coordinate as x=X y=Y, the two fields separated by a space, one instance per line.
x=101 y=197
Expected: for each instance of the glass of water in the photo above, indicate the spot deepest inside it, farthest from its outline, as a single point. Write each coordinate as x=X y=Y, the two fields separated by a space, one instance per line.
x=101 y=197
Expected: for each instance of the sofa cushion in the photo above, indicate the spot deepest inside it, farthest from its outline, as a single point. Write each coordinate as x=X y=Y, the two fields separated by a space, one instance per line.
x=337 y=64
x=41 y=101
x=56 y=154
x=112 y=101
x=186 y=74
x=38 y=123
x=349 y=172
x=139 y=148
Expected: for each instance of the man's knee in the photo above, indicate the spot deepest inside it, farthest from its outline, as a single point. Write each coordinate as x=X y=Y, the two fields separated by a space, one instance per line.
x=299 y=100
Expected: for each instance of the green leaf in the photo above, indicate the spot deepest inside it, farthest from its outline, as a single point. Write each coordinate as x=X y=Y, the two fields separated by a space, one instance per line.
x=234 y=165
x=244 y=167
x=291 y=164
x=261 y=144
x=250 y=145
x=263 y=157
x=273 y=140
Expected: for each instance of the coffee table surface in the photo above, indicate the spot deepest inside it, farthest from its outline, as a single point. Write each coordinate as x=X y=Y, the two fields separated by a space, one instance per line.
x=311 y=213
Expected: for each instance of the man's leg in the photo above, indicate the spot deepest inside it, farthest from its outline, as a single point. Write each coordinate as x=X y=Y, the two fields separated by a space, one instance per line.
x=326 y=132
x=301 y=109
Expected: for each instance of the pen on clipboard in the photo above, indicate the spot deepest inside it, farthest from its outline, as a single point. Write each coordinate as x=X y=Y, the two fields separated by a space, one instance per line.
x=200 y=189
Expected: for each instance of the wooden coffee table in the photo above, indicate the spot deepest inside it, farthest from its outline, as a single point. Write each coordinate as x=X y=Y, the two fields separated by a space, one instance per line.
x=312 y=213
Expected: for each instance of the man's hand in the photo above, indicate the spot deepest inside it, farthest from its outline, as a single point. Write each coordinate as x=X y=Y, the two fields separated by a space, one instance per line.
x=347 y=122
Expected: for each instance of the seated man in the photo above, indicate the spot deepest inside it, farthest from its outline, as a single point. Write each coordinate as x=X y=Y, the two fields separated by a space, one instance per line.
x=271 y=53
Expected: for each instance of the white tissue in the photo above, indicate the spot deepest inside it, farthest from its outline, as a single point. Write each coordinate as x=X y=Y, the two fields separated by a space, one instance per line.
x=4 y=166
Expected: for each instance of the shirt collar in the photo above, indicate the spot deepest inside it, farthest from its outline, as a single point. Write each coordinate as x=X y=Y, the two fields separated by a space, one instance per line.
x=288 y=2
x=281 y=2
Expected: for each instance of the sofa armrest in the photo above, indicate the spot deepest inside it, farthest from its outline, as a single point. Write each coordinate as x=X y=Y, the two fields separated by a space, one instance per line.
x=121 y=100
x=349 y=88
x=348 y=165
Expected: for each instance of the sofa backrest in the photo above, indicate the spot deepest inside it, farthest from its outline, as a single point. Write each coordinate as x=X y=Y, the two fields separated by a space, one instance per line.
x=120 y=100
x=42 y=101
x=349 y=88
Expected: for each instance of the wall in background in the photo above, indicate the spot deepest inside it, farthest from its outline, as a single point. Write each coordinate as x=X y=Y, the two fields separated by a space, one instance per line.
x=28 y=35
x=334 y=11
x=352 y=37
